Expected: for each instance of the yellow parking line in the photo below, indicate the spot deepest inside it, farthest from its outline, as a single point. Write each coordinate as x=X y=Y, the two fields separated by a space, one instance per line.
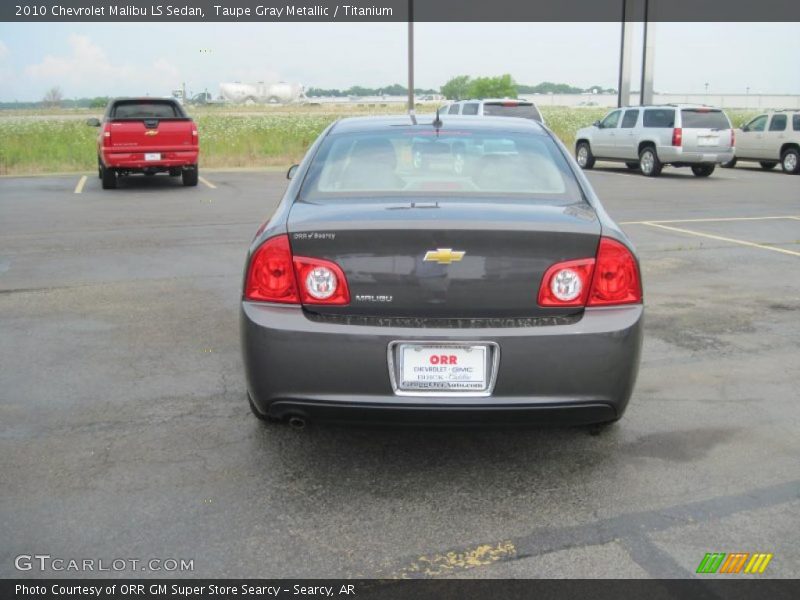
x=721 y=238
x=448 y=563
x=81 y=183
x=709 y=220
x=206 y=182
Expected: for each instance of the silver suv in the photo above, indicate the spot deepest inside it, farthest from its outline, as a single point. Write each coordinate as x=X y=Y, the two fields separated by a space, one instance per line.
x=494 y=107
x=769 y=139
x=649 y=137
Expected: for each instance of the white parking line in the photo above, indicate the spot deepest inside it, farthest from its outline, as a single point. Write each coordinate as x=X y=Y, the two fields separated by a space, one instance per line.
x=709 y=220
x=81 y=183
x=721 y=238
x=206 y=182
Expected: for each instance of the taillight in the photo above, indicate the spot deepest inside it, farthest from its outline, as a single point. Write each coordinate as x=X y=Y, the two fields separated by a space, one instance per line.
x=321 y=281
x=610 y=278
x=566 y=283
x=270 y=274
x=274 y=275
x=677 y=136
x=616 y=276
x=107 y=135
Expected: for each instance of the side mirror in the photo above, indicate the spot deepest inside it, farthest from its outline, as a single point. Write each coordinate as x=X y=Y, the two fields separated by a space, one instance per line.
x=597 y=124
x=292 y=170
x=93 y=122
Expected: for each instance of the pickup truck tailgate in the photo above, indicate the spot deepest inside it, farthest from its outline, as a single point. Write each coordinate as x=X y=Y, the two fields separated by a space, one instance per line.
x=151 y=134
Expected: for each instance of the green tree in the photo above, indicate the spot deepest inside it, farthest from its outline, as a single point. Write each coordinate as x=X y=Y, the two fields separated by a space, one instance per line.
x=493 y=87
x=457 y=88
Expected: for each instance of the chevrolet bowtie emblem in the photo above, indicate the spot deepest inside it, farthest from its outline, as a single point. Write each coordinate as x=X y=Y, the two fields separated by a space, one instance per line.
x=151 y=132
x=444 y=256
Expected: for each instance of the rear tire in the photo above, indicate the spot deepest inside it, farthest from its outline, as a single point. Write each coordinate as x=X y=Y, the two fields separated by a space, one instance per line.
x=790 y=161
x=767 y=165
x=632 y=165
x=190 y=176
x=584 y=156
x=109 y=178
x=729 y=165
x=702 y=170
x=649 y=164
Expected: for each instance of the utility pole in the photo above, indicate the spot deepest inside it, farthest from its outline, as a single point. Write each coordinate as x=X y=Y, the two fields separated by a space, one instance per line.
x=648 y=54
x=624 y=82
x=411 y=57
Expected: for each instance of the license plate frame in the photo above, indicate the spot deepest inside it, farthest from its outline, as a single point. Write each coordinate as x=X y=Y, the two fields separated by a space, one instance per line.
x=151 y=156
x=452 y=387
x=708 y=140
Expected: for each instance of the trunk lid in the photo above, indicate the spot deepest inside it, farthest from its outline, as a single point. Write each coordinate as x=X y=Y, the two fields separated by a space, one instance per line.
x=382 y=245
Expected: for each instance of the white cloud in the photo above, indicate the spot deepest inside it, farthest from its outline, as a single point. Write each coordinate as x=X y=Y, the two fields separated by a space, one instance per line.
x=3 y=50
x=87 y=70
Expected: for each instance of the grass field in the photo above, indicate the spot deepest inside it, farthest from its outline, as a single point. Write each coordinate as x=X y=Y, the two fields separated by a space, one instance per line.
x=34 y=142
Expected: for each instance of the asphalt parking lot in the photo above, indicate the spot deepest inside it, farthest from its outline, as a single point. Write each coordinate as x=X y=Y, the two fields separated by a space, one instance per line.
x=125 y=432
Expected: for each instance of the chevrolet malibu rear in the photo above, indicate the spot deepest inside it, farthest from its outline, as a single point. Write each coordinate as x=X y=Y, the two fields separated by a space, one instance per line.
x=487 y=285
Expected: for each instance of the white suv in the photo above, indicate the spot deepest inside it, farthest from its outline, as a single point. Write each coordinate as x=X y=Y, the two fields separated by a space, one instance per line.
x=494 y=107
x=649 y=137
x=769 y=139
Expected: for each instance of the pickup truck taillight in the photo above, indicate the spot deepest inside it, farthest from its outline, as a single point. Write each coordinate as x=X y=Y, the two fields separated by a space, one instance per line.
x=677 y=136
x=106 y=135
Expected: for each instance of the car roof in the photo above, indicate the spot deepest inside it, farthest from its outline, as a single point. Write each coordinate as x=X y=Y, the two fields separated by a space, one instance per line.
x=494 y=100
x=143 y=98
x=378 y=123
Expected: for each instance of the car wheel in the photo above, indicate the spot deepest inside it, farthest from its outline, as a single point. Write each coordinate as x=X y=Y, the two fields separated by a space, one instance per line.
x=767 y=165
x=190 y=176
x=99 y=168
x=584 y=156
x=109 y=178
x=649 y=164
x=790 y=161
x=729 y=165
x=702 y=170
x=632 y=165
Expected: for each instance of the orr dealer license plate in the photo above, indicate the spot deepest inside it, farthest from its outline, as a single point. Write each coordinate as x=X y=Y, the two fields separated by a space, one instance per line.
x=459 y=368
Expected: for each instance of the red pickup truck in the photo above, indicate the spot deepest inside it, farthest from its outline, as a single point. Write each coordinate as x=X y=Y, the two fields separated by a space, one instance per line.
x=146 y=135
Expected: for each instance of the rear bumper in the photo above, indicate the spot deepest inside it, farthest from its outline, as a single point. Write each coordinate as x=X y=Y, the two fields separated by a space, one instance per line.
x=678 y=155
x=583 y=372
x=136 y=160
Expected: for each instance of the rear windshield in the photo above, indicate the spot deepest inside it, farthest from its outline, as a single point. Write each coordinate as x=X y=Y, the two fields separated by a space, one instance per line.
x=147 y=109
x=522 y=109
x=418 y=161
x=704 y=119
x=659 y=117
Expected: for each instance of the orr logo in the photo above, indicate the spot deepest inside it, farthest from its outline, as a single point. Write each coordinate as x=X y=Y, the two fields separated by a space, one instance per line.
x=443 y=359
x=734 y=563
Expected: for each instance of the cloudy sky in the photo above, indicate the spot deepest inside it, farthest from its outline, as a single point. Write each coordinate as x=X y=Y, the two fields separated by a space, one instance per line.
x=99 y=59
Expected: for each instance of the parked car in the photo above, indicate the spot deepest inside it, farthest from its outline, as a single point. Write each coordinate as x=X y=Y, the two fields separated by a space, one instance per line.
x=146 y=135
x=380 y=291
x=649 y=137
x=495 y=107
x=769 y=139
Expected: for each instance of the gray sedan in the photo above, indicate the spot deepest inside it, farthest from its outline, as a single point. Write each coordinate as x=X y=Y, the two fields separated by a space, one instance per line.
x=482 y=283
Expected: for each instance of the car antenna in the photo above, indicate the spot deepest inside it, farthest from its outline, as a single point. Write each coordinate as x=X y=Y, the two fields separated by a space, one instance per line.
x=437 y=122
